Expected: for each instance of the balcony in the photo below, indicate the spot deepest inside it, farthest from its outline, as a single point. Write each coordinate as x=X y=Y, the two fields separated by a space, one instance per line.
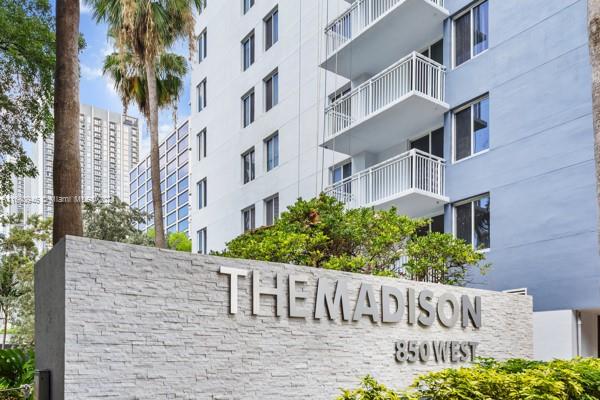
x=413 y=182
x=405 y=99
x=372 y=34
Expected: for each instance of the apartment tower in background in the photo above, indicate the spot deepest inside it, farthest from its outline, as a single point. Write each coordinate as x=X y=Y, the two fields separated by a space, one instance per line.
x=109 y=148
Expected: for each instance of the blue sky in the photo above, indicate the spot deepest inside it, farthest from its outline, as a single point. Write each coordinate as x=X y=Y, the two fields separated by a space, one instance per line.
x=97 y=90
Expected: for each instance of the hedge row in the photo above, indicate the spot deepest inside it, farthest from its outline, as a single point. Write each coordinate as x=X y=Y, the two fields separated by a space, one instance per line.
x=517 y=379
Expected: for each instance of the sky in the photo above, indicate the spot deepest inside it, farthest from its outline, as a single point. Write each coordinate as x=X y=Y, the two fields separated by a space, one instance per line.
x=97 y=90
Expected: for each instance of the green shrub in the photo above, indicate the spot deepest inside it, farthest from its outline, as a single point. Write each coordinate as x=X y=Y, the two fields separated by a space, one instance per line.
x=323 y=233
x=17 y=368
x=516 y=379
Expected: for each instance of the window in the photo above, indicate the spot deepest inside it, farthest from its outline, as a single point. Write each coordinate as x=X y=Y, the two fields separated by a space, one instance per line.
x=341 y=172
x=202 y=46
x=435 y=52
x=247 y=5
x=202 y=197
x=471 y=129
x=201 y=143
x=248 y=165
x=201 y=93
x=432 y=143
x=472 y=221
x=248 y=219
x=272 y=147
x=271 y=29
x=338 y=94
x=248 y=109
x=171 y=141
x=171 y=219
x=271 y=90
x=471 y=33
x=248 y=51
x=202 y=237
x=271 y=210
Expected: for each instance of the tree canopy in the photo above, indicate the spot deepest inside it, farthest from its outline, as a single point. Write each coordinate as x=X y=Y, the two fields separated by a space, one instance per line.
x=323 y=233
x=27 y=59
x=21 y=249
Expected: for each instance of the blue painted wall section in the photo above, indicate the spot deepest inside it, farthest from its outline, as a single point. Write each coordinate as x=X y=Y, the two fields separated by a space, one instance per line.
x=539 y=169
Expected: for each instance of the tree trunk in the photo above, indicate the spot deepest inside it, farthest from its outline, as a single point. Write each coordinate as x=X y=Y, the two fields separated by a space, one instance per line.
x=594 y=43
x=67 y=167
x=159 y=238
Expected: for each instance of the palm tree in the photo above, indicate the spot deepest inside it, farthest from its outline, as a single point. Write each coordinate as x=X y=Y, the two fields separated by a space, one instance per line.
x=130 y=79
x=131 y=84
x=66 y=168
x=145 y=29
x=594 y=43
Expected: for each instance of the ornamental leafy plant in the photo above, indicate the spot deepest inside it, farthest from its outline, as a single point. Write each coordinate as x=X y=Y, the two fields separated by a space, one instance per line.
x=323 y=233
x=516 y=379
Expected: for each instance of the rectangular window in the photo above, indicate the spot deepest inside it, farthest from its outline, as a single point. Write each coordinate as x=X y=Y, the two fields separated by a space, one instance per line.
x=248 y=109
x=271 y=210
x=202 y=193
x=471 y=129
x=249 y=219
x=471 y=33
x=271 y=29
x=248 y=165
x=201 y=94
x=202 y=237
x=201 y=144
x=202 y=46
x=247 y=5
x=341 y=172
x=248 y=51
x=271 y=90
x=472 y=221
x=272 y=148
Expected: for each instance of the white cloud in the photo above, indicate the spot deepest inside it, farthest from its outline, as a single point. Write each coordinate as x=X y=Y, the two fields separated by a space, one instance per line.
x=84 y=8
x=90 y=73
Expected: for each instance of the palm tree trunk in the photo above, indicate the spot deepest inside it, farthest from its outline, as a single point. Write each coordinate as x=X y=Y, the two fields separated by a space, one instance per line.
x=67 y=167
x=159 y=238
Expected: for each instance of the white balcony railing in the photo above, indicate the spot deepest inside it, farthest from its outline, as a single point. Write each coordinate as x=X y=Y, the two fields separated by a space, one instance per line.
x=413 y=73
x=413 y=170
x=361 y=15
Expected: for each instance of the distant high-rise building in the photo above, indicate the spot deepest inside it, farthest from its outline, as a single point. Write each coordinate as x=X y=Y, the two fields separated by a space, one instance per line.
x=174 y=182
x=109 y=144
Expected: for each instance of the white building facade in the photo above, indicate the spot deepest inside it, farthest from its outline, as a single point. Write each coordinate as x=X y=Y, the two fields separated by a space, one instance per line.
x=257 y=115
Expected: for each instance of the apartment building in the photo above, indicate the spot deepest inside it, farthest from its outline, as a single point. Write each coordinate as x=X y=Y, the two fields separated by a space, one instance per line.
x=257 y=111
x=476 y=114
x=174 y=175
x=109 y=147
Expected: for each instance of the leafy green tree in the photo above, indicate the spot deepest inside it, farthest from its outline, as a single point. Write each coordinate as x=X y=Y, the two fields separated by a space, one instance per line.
x=145 y=30
x=115 y=221
x=439 y=257
x=322 y=233
x=179 y=241
x=21 y=249
x=27 y=58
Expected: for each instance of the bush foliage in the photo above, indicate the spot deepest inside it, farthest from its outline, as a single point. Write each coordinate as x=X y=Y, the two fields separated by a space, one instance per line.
x=323 y=233
x=517 y=379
